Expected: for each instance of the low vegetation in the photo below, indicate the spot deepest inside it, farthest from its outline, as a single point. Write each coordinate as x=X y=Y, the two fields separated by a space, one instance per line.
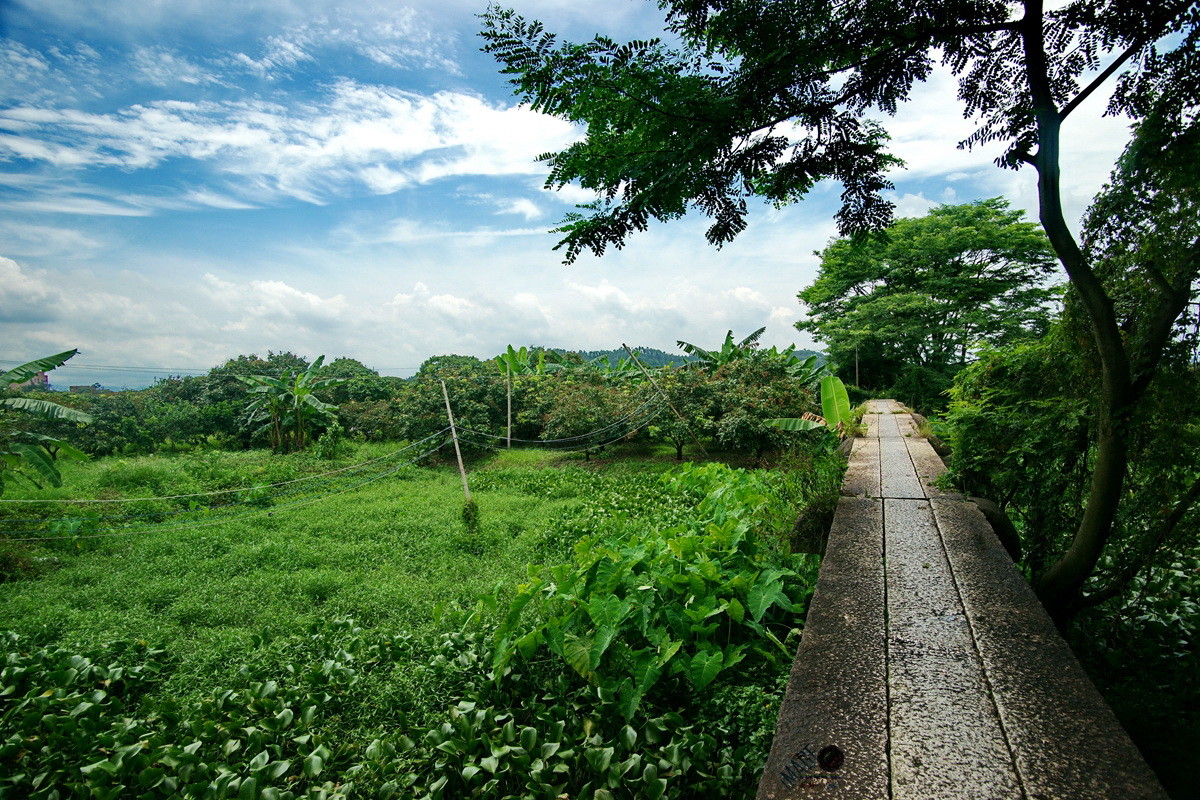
x=582 y=641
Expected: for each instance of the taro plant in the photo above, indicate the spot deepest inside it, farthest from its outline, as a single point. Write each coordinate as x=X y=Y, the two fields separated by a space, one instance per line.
x=688 y=602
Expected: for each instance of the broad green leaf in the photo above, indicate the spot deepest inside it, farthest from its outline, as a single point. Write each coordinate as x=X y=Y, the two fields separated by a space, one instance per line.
x=736 y=611
x=793 y=424
x=578 y=654
x=763 y=594
x=30 y=368
x=835 y=403
x=600 y=642
x=64 y=449
x=39 y=460
x=704 y=667
x=599 y=758
x=46 y=409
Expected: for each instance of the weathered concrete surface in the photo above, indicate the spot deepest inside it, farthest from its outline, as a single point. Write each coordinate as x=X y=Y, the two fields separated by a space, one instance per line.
x=946 y=738
x=862 y=471
x=837 y=693
x=928 y=661
x=1065 y=739
x=928 y=466
x=897 y=478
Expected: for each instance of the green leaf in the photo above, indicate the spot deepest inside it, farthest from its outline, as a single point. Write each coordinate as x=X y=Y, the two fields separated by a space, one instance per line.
x=627 y=737
x=30 y=368
x=45 y=408
x=704 y=667
x=764 y=594
x=735 y=609
x=835 y=403
x=313 y=765
x=578 y=654
x=37 y=458
x=599 y=758
x=793 y=424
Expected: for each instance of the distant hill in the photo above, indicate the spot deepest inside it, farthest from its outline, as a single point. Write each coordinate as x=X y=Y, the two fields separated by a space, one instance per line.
x=653 y=357
x=650 y=356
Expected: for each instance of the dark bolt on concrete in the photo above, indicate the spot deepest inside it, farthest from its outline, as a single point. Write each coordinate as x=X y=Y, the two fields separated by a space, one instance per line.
x=927 y=661
x=837 y=693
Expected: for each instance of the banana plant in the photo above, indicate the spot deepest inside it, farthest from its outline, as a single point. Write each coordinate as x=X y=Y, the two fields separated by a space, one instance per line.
x=835 y=404
x=288 y=405
x=522 y=362
x=30 y=457
x=730 y=350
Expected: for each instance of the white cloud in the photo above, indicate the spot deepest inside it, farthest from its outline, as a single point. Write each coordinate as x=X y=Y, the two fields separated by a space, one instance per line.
x=572 y=194
x=162 y=67
x=27 y=239
x=744 y=294
x=23 y=294
x=367 y=137
x=525 y=207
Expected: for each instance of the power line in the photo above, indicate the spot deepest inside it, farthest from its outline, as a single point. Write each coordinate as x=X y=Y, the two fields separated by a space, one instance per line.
x=224 y=520
x=232 y=491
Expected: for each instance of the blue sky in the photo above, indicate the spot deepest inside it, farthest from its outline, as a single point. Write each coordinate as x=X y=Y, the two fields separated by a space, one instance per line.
x=186 y=180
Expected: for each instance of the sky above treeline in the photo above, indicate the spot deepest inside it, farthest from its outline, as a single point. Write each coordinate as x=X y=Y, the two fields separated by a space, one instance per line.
x=183 y=181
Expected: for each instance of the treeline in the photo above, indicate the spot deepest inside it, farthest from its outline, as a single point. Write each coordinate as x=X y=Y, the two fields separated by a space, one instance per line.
x=724 y=398
x=952 y=313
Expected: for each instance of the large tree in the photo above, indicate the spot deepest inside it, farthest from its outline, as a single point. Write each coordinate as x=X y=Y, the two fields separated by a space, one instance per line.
x=766 y=99
x=926 y=292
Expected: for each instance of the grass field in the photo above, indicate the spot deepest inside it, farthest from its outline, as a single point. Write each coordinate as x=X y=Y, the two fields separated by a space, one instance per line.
x=387 y=555
x=265 y=593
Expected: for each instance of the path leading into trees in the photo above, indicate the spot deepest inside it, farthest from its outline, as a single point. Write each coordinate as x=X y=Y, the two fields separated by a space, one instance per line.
x=927 y=668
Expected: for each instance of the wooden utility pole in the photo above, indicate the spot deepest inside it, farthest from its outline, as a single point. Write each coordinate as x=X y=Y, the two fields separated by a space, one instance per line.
x=508 y=446
x=663 y=394
x=454 y=435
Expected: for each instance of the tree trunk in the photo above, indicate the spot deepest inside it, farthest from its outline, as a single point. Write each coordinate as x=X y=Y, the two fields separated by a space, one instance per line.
x=1059 y=588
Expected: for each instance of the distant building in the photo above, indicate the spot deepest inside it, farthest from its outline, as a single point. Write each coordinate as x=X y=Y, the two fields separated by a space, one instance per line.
x=39 y=382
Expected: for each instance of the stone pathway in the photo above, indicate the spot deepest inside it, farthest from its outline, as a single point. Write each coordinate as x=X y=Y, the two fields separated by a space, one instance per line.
x=927 y=668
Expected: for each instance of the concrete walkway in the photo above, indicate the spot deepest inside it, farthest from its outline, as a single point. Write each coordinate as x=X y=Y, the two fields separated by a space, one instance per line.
x=927 y=668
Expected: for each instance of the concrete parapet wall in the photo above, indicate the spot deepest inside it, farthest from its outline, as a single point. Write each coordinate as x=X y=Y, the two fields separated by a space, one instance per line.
x=927 y=668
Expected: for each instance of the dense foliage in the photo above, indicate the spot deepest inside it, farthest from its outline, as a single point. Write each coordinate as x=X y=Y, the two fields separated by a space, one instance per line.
x=903 y=309
x=765 y=100
x=459 y=702
x=556 y=399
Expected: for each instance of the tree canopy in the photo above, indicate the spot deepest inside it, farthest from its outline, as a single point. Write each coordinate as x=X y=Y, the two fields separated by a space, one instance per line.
x=767 y=99
x=928 y=291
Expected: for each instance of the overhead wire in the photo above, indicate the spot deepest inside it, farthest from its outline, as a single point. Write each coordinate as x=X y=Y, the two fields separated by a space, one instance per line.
x=649 y=401
x=236 y=518
x=230 y=491
x=638 y=417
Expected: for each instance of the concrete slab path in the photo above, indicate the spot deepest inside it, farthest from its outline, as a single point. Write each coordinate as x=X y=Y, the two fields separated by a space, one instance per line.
x=927 y=668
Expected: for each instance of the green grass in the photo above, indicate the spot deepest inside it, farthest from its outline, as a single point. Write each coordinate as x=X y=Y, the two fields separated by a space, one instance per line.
x=387 y=554
x=262 y=596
